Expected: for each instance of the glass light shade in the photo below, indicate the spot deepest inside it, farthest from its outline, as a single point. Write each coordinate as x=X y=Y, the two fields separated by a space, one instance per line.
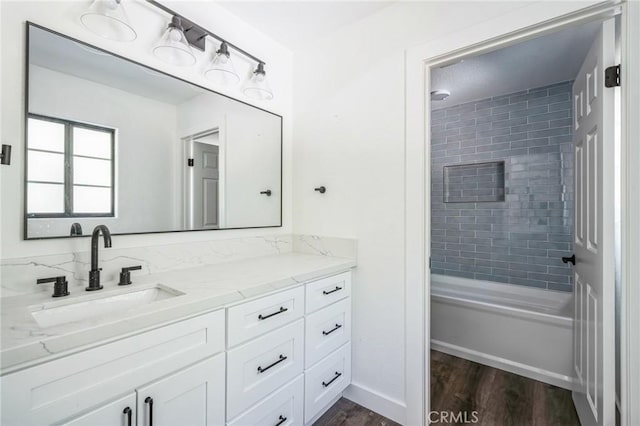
x=174 y=48
x=108 y=19
x=222 y=71
x=258 y=87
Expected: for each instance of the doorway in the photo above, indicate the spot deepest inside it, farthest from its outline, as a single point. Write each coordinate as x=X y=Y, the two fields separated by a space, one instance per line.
x=519 y=178
x=203 y=201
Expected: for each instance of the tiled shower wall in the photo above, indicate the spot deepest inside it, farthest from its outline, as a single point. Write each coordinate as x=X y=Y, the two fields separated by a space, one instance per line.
x=519 y=240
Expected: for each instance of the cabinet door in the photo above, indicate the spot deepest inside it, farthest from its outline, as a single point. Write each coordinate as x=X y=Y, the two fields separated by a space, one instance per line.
x=117 y=413
x=193 y=396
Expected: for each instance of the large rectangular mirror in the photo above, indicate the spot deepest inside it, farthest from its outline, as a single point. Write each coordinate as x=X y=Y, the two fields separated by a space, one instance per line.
x=110 y=141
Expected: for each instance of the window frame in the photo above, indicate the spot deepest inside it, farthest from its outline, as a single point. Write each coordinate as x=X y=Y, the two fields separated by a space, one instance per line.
x=68 y=155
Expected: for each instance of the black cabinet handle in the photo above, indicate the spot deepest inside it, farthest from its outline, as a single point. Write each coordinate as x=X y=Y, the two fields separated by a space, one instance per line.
x=267 y=193
x=332 y=380
x=280 y=359
x=320 y=189
x=128 y=413
x=326 y=333
x=325 y=292
x=281 y=419
x=148 y=400
x=264 y=317
x=571 y=259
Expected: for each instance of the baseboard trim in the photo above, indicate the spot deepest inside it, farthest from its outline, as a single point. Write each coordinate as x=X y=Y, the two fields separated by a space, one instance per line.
x=375 y=401
x=504 y=364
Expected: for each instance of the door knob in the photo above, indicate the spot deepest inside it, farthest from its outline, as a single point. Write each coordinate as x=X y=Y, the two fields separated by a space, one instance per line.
x=571 y=259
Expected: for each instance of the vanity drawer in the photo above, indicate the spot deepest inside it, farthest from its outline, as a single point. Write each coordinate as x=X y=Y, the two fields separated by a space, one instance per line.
x=283 y=408
x=326 y=380
x=327 y=290
x=56 y=390
x=257 y=368
x=327 y=330
x=260 y=316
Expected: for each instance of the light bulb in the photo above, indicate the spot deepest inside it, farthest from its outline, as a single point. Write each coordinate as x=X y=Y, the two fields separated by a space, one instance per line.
x=175 y=35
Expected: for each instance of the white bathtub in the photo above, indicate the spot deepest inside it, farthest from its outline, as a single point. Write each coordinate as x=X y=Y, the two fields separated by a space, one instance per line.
x=523 y=330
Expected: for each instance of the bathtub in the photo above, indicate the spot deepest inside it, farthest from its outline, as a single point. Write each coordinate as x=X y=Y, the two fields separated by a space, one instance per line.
x=519 y=329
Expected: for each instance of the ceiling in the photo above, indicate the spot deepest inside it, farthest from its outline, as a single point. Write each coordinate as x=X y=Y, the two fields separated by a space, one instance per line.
x=66 y=56
x=295 y=23
x=545 y=60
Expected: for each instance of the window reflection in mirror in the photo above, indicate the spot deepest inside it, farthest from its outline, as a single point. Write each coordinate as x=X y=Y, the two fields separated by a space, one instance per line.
x=70 y=169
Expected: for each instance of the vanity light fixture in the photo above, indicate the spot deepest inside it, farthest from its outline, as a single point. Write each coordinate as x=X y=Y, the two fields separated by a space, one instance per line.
x=221 y=69
x=258 y=87
x=108 y=19
x=173 y=47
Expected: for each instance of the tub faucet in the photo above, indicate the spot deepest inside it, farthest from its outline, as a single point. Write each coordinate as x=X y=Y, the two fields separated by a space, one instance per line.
x=94 y=273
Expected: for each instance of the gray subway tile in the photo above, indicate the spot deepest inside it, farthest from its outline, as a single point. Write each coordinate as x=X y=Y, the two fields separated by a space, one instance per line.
x=506 y=241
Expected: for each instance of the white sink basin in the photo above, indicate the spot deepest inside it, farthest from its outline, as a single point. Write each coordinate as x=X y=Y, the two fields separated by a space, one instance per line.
x=92 y=308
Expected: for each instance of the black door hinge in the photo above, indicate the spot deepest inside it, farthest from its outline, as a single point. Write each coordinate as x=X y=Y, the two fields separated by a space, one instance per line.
x=190 y=162
x=429 y=262
x=612 y=76
x=5 y=155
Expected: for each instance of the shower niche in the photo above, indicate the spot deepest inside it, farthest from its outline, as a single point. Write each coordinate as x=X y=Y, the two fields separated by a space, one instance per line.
x=474 y=182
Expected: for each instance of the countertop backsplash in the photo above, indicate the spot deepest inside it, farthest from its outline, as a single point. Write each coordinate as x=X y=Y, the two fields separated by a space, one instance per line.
x=18 y=275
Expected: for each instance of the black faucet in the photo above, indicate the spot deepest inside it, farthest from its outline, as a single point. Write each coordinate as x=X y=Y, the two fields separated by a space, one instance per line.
x=94 y=273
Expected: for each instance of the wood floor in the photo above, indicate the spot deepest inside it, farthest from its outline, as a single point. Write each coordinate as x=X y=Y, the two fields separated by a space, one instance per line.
x=499 y=398
x=347 y=413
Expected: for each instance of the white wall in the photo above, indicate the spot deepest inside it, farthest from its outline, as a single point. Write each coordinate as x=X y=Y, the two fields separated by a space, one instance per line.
x=350 y=130
x=145 y=150
x=63 y=16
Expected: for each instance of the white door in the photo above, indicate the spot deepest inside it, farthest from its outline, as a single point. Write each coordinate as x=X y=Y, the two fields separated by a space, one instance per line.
x=206 y=179
x=117 y=413
x=202 y=176
x=594 y=360
x=191 y=397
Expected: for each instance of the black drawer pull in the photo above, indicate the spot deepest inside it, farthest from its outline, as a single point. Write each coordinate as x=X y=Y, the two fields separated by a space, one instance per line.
x=326 y=333
x=281 y=419
x=332 y=380
x=281 y=358
x=148 y=400
x=128 y=412
x=325 y=292
x=264 y=317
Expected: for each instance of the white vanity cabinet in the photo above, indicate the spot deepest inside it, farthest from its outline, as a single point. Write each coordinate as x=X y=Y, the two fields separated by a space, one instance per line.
x=83 y=386
x=120 y=412
x=192 y=396
x=297 y=360
x=328 y=343
x=276 y=360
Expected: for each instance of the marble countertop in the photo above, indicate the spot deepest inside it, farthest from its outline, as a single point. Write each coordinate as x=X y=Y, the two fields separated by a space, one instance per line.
x=24 y=343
